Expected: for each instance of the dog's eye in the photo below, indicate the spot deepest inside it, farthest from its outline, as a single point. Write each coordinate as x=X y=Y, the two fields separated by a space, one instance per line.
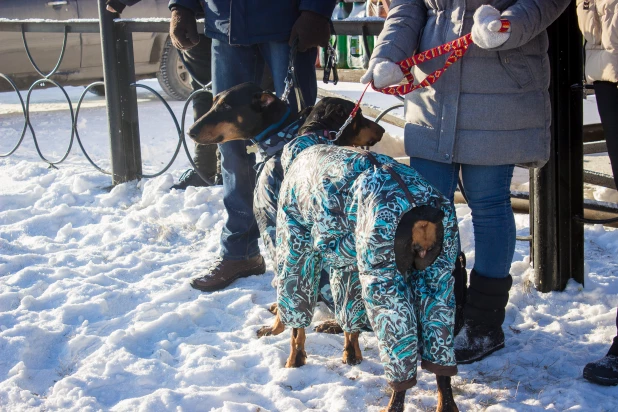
x=223 y=106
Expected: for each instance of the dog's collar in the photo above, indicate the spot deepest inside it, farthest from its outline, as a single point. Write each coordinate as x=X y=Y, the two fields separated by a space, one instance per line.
x=273 y=144
x=270 y=129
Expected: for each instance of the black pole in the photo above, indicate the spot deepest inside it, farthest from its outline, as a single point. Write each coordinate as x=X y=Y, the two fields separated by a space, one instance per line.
x=558 y=186
x=121 y=99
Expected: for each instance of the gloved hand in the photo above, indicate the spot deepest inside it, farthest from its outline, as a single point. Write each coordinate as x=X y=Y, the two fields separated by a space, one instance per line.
x=115 y=6
x=383 y=72
x=183 y=28
x=312 y=30
x=486 y=29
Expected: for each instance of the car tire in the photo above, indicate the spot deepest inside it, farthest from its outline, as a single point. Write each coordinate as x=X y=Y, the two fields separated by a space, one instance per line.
x=173 y=76
x=98 y=90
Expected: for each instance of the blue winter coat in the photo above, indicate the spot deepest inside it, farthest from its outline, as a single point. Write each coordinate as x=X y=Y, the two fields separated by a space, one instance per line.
x=246 y=22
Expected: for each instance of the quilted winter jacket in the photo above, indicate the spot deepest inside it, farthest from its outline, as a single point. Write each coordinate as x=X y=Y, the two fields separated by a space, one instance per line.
x=246 y=22
x=345 y=213
x=490 y=108
x=598 y=21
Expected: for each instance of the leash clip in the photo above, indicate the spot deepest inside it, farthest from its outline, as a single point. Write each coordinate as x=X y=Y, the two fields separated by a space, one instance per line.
x=289 y=83
x=345 y=124
x=331 y=64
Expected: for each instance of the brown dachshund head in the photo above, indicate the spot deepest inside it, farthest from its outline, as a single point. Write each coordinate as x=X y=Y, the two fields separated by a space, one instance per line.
x=419 y=237
x=239 y=113
x=330 y=113
x=424 y=238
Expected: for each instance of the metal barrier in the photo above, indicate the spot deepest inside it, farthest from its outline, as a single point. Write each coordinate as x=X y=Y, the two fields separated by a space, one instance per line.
x=556 y=194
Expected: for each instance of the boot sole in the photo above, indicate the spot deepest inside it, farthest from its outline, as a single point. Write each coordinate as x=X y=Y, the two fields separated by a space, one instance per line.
x=256 y=270
x=483 y=356
x=598 y=380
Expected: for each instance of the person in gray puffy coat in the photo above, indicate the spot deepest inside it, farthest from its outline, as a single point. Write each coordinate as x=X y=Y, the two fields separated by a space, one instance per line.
x=486 y=113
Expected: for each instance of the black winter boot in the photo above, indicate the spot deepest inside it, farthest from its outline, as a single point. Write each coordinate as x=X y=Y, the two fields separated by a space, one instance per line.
x=605 y=370
x=461 y=290
x=484 y=314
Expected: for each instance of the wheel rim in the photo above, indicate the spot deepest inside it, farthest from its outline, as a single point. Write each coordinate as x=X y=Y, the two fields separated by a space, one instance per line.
x=183 y=75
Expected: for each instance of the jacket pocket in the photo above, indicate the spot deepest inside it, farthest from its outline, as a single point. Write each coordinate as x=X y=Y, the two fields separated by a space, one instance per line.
x=517 y=67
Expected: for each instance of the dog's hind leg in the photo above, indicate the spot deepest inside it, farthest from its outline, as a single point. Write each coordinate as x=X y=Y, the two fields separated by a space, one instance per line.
x=397 y=402
x=330 y=326
x=274 y=308
x=446 y=402
x=352 y=354
x=298 y=356
x=273 y=330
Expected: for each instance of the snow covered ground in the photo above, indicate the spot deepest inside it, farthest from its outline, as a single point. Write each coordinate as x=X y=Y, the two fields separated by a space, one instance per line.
x=96 y=311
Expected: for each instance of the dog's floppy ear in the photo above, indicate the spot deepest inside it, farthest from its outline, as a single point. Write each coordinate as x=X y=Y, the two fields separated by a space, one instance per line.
x=262 y=100
x=336 y=111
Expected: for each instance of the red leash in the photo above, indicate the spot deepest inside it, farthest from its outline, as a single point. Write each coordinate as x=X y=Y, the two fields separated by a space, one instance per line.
x=457 y=48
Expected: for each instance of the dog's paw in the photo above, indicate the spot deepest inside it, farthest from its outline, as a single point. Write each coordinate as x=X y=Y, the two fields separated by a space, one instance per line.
x=296 y=359
x=330 y=326
x=351 y=358
x=274 y=308
x=397 y=402
x=265 y=331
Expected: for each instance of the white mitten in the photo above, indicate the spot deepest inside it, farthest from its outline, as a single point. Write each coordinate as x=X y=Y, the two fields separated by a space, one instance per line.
x=383 y=72
x=486 y=29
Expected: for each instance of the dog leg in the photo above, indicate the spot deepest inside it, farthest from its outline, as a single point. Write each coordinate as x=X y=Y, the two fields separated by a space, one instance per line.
x=273 y=330
x=274 y=308
x=397 y=402
x=298 y=356
x=329 y=326
x=446 y=402
x=352 y=354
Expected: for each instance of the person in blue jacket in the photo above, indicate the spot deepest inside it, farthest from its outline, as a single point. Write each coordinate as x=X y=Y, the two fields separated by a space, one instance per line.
x=245 y=35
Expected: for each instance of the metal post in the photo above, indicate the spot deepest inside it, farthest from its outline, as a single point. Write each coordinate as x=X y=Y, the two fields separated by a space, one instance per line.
x=558 y=186
x=121 y=99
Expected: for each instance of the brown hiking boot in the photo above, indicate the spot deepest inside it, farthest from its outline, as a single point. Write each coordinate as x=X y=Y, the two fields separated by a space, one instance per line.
x=227 y=271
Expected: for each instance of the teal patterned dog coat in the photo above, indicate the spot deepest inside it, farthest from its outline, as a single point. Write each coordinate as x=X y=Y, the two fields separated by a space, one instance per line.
x=338 y=209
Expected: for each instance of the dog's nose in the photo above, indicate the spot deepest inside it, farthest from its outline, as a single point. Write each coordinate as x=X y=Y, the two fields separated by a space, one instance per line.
x=193 y=132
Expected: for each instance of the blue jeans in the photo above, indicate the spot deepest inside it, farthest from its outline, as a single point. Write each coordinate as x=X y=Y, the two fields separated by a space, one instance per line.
x=233 y=65
x=489 y=194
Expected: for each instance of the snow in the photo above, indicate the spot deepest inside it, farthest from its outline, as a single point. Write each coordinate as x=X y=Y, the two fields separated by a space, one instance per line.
x=96 y=310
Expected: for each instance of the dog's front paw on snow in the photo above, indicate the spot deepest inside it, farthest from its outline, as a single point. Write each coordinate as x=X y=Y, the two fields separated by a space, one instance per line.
x=350 y=357
x=330 y=326
x=298 y=356
x=297 y=359
x=352 y=354
x=265 y=331
x=273 y=330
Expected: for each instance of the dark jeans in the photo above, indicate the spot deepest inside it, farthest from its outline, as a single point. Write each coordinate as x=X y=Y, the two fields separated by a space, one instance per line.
x=233 y=65
x=607 y=102
x=198 y=60
x=489 y=192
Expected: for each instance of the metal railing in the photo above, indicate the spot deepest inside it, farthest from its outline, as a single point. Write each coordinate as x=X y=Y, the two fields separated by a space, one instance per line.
x=556 y=193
